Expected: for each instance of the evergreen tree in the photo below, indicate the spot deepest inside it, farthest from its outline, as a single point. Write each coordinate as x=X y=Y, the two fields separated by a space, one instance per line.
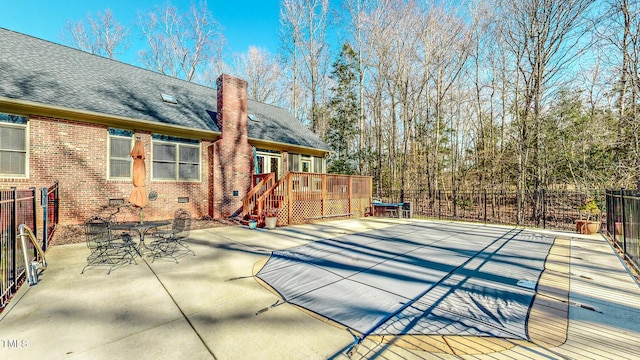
x=343 y=113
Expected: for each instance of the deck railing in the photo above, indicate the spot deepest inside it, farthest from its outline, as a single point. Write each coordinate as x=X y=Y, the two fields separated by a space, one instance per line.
x=623 y=222
x=300 y=197
x=260 y=184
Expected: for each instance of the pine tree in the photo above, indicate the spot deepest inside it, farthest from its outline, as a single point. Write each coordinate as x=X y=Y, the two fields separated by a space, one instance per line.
x=343 y=113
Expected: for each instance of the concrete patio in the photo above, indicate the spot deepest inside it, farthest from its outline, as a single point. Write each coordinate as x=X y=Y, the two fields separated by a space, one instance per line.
x=209 y=306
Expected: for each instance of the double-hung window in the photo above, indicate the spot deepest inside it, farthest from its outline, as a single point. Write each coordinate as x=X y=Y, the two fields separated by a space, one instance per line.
x=120 y=162
x=318 y=165
x=14 y=159
x=175 y=159
x=306 y=163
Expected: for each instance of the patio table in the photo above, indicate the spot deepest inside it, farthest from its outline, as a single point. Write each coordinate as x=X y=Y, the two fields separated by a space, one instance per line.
x=387 y=209
x=141 y=227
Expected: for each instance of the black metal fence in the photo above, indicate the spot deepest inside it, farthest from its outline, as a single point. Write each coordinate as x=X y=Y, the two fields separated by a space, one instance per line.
x=49 y=201
x=16 y=207
x=543 y=209
x=623 y=222
x=20 y=207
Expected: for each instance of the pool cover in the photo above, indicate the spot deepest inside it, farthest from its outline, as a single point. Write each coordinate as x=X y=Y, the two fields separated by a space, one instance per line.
x=421 y=278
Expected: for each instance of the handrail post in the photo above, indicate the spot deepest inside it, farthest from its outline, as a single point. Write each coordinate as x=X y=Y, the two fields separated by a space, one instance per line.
x=14 y=241
x=439 y=205
x=34 y=204
x=371 y=195
x=350 y=192
x=544 y=210
x=56 y=212
x=624 y=225
x=44 y=197
x=485 y=205
x=290 y=197
x=324 y=195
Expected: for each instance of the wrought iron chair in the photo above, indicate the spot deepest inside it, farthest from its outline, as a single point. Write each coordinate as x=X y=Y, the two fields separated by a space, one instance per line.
x=170 y=243
x=105 y=249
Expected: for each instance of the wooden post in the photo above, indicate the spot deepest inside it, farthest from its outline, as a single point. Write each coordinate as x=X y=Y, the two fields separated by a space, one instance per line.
x=371 y=195
x=290 y=197
x=323 y=202
x=350 y=192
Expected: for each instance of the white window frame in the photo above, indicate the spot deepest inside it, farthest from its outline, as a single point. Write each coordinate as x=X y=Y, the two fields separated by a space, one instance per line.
x=178 y=146
x=129 y=159
x=267 y=162
x=312 y=161
x=26 y=150
x=319 y=161
x=309 y=163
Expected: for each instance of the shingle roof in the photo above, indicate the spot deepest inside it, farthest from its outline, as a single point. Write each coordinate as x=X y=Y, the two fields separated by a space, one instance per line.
x=40 y=71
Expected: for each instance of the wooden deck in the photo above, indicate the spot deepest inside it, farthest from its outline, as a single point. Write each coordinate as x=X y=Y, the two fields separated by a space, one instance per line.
x=300 y=198
x=600 y=319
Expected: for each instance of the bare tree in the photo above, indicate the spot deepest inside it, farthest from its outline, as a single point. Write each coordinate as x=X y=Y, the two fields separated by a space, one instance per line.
x=543 y=38
x=304 y=24
x=483 y=79
x=447 y=48
x=180 y=45
x=102 y=35
x=290 y=32
x=262 y=72
x=619 y=33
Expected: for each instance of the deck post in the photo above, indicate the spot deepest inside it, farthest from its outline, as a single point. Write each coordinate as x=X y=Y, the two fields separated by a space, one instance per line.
x=324 y=195
x=624 y=227
x=350 y=192
x=290 y=198
x=371 y=195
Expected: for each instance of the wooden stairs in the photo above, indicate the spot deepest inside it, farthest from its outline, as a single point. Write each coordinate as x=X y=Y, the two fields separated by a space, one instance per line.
x=260 y=200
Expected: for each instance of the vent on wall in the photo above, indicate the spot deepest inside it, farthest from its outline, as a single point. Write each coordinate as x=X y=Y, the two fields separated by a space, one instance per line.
x=116 y=202
x=168 y=98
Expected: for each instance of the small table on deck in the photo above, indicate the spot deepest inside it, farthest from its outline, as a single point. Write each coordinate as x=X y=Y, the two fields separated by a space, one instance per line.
x=141 y=228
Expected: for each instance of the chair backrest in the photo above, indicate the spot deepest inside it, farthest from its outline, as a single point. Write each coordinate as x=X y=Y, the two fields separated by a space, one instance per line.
x=181 y=226
x=97 y=232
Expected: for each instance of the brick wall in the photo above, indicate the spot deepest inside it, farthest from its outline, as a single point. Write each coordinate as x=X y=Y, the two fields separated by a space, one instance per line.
x=75 y=154
x=232 y=155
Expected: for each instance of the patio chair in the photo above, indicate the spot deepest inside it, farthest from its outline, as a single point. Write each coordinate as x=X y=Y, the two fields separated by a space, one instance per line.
x=120 y=217
x=105 y=249
x=170 y=242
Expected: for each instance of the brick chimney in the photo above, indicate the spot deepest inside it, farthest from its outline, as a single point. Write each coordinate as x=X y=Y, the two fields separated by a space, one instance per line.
x=232 y=154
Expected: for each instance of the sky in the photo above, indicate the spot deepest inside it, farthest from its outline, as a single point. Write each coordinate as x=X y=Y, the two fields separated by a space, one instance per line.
x=244 y=22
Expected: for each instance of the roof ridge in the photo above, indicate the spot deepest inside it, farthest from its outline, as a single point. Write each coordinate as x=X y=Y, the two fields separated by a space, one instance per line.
x=102 y=58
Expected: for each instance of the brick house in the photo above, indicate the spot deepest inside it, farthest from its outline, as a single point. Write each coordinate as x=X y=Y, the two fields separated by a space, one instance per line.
x=70 y=116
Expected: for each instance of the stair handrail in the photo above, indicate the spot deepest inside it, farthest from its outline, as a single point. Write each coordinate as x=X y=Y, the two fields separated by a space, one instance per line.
x=260 y=201
x=249 y=200
x=33 y=266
